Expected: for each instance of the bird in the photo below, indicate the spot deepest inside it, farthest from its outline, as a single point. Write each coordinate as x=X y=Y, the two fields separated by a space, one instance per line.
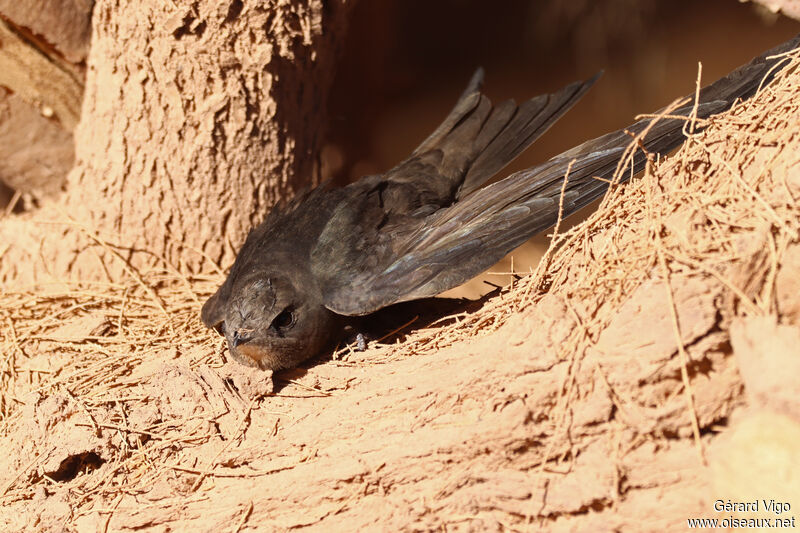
x=429 y=224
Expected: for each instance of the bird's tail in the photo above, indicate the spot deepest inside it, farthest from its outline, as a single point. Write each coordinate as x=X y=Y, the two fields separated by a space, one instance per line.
x=478 y=139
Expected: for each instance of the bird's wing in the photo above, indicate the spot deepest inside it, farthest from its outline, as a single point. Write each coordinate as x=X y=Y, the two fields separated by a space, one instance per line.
x=457 y=243
x=405 y=258
x=477 y=139
x=473 y=142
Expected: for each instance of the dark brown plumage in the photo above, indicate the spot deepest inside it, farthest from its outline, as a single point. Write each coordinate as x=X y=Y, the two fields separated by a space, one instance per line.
x=426 y=225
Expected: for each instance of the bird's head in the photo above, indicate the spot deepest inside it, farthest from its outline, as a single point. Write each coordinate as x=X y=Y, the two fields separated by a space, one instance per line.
x=269 y=321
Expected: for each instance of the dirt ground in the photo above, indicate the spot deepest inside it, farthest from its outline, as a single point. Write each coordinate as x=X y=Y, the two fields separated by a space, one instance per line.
x=646 y=369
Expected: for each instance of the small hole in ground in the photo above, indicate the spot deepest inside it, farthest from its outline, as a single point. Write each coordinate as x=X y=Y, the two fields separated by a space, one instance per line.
x=75 y=464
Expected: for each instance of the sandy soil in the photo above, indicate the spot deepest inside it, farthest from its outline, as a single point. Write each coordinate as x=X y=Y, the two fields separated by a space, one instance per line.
x=646 y=369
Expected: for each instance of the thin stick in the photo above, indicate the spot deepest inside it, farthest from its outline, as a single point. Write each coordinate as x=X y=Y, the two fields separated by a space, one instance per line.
x=245 y=515
x=656 y=225
x=12 y=203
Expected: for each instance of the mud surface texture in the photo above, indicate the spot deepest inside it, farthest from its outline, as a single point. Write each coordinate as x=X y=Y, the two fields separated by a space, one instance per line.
x=196 y=118
x=43 y=48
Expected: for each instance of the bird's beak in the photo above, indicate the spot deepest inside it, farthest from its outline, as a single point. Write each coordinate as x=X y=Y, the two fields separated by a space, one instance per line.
x=238 y=339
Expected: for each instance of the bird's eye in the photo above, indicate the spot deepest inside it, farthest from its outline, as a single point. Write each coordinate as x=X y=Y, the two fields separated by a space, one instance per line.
x=283 y=320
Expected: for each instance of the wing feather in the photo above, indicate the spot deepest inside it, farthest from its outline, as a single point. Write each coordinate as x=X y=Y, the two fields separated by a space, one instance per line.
x=417 y=257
